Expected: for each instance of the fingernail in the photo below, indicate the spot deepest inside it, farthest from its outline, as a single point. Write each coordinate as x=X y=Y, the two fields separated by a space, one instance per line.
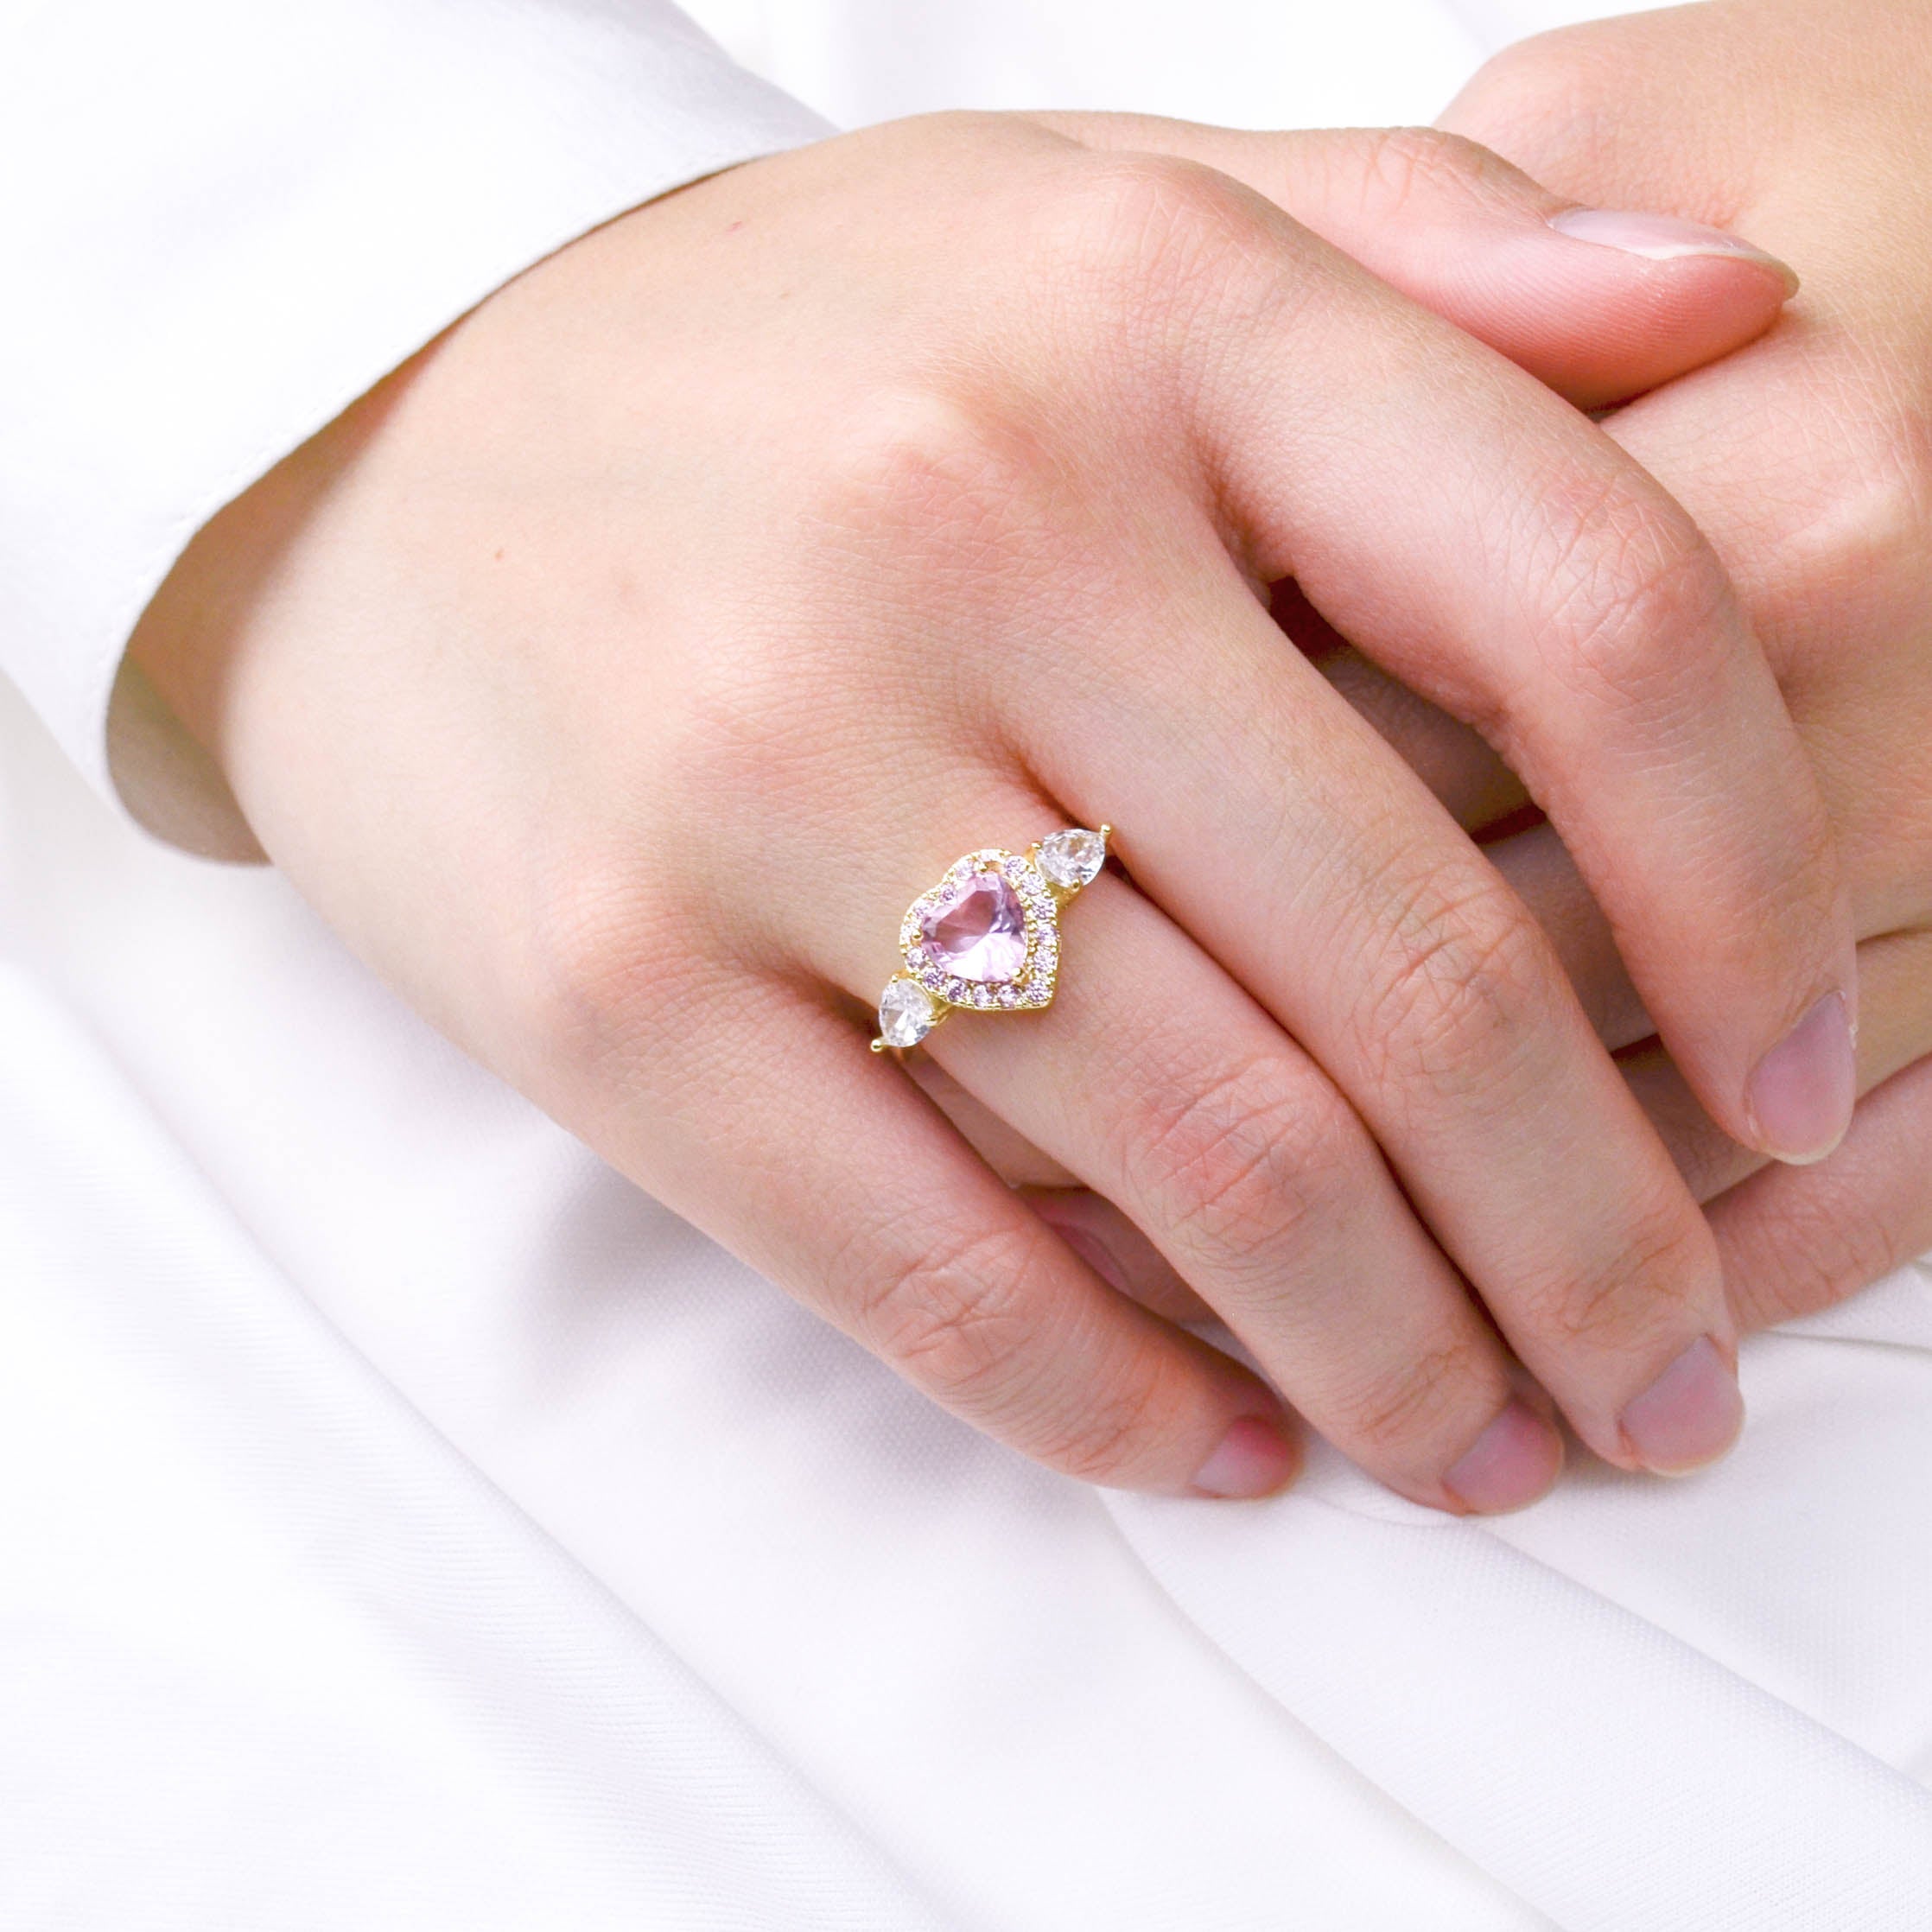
x=1662 y=238
x=1802 y=1095
x=1512 y=1463
x=1689 y=1415
x=1254 y=1458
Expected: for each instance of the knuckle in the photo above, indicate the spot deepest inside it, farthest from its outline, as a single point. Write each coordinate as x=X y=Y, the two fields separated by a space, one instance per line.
x=945 y=481
x=1853 y=1249
x=1240 y=1160
x=1145 y=229
x=969 y=1323
x=1858 y=526
x=599 y=969
x=1463 y=973
x=1662 y=1274
x=1403 y=163
x=1640 y=609
x=1816 y=1253
x=1113 y=1433
x=958 y=1318
x=1555 y=78
x=1399 y=1414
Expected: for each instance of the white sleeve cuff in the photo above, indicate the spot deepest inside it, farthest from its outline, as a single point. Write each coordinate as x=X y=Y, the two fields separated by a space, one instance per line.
x=226 y=219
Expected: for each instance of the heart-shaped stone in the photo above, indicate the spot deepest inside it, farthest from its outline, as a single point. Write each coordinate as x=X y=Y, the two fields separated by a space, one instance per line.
x=986 y=935
x=979 y=932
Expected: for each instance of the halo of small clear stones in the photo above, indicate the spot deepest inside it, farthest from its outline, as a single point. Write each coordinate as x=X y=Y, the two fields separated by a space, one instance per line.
x=1033 y=986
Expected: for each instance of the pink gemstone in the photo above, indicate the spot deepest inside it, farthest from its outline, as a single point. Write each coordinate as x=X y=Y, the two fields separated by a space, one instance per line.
x=982 y=935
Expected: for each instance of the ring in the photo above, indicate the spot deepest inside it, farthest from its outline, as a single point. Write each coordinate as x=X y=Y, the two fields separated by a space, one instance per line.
x=987 y=937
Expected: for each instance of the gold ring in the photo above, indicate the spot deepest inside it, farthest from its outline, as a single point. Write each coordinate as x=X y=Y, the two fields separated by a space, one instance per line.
x=987 y=937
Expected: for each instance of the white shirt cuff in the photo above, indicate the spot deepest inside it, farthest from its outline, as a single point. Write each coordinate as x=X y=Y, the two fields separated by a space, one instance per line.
x=226 y=219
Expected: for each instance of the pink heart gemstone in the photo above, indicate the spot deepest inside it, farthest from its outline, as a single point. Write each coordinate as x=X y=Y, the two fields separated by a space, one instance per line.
x=980 y=934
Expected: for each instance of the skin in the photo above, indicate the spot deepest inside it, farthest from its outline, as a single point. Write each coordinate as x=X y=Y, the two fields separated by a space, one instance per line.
x=614 y=676
x=1806 y=459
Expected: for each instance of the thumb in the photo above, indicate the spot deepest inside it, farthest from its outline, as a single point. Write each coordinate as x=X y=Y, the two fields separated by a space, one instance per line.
x=1600 y=305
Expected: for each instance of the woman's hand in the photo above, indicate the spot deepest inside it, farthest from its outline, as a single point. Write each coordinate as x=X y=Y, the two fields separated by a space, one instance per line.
x=1807 y=460
x=614 y=676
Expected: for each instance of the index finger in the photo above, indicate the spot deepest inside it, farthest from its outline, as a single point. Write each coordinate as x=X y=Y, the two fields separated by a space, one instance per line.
x=1491 y=548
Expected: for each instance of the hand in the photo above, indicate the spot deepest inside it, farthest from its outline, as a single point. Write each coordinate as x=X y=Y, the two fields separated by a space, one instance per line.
x=614 y=676
x=1808 y=462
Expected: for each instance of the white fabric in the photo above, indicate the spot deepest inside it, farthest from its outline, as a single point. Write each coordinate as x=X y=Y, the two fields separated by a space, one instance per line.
x=403 y=1524
x=224 y=220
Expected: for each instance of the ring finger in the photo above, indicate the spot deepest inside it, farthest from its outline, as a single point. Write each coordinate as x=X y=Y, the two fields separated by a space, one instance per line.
x=1158 y=1083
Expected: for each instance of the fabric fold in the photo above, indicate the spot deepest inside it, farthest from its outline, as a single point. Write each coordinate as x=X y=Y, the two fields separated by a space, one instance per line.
x=252 y=1561
x=1614 y=1777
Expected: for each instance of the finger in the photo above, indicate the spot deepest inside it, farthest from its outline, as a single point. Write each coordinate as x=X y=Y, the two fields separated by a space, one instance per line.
x=1469 y=780
x=1469 y=532
x=1093 y=1228
x=1895 y=980
x=1270 y=822
x=1598 y=305
x=872 y=1211
x=1167 y=1089
x=1543 y=874
x=1534 y=102
x=1007 y=1152
x=1117 y=1251
x=1896 y=976
x=1798 y=1240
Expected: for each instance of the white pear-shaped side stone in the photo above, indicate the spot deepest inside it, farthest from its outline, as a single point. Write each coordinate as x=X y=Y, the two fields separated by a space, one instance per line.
x=1073 y=858
x=906 y=1013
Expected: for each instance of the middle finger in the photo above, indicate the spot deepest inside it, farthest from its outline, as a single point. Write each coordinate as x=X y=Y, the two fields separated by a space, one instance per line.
x=1271 y=823
x=1160 y=1083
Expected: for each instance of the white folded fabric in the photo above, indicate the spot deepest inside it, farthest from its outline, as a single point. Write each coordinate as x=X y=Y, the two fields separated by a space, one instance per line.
x=405 y=1523
x=399 y=1515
